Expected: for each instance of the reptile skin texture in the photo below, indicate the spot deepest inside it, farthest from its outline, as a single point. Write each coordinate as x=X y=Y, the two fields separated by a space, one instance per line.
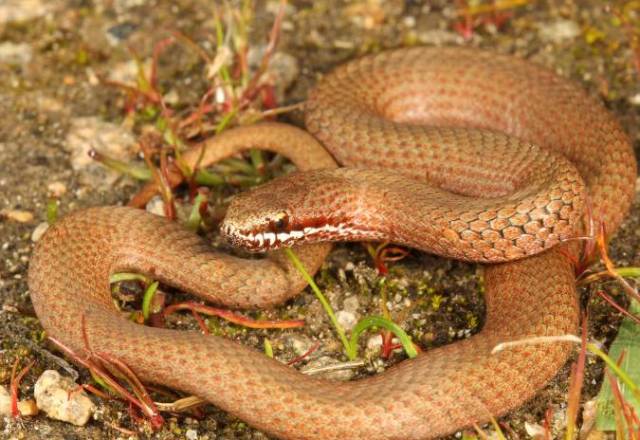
x=380 y=113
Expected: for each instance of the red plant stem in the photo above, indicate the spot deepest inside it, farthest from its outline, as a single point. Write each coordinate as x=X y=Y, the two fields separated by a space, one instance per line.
x=577 y=379
x=547 y=424
x=600 y=238
x=230 y=316
x=252 y=88
x=619 y=308
x=158 y=48
x=15 y=384
x=306 y=354
x=201 y=323
x=91 y=389
x=387 y=345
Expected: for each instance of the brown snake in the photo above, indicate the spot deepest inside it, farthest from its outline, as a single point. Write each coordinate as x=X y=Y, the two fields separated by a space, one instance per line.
x=382 y=113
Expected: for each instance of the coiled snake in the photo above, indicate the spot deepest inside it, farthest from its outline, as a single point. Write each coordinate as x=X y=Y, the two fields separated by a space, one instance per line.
x=501 y=189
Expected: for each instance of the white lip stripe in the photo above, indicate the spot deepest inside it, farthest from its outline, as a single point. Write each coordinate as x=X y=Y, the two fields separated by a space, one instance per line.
x=264 y=240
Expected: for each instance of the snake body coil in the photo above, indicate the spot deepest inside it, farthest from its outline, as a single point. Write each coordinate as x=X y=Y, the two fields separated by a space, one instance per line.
x=380 y=112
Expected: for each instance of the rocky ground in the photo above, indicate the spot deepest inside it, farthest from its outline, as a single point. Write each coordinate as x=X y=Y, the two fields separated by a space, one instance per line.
x=54 y=107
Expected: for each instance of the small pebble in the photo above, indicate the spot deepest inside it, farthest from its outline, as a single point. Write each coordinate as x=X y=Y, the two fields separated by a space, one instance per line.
x=351 y=304
x=635 y=99
x=39 y=231
x=60 y=398
x=534 y=430
x=22 y=10
x=25 y=407
x=346 y=319
x=299 y=344
x=15 y=54
x=87 y=133
x=282 y=71
x=559 y=31
x=57 y=189
x=155 y=206
x=17 y=215
x=374 y=342
x=191 y=434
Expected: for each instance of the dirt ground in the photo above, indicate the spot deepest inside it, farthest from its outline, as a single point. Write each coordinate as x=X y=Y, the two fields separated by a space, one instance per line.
x=51 y=54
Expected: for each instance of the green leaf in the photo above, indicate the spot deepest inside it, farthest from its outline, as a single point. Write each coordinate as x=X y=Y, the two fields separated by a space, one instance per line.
x=627 y=342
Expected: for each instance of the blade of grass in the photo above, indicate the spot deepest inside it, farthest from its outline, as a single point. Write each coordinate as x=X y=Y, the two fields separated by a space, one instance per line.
x=52 y=211
x=379 y=321
x=323 y=300
x=195 y=217
x=149 y=293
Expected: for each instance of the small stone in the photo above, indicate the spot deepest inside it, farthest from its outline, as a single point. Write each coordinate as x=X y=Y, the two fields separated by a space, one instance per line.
x=91 y=133
x=346 y=319
x=127 y=72
x=374 y=342
x=16 y=215
x=559 y=31
x=299 y=344
x=155 y=206
x=15 y=54
x=57 y=189
x=23 y=10
x=191 y=434
x=283 y=69
x=409 y=21
x=25 y=407
x=534 y=430
x=351 y=304
x=635 y=99
x=61 y=399
x=39 y=231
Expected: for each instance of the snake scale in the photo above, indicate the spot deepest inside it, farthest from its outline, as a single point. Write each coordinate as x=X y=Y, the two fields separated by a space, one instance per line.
x=510 y=151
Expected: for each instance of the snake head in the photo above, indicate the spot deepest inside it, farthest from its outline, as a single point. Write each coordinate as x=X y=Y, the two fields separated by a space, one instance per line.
x=294 y=209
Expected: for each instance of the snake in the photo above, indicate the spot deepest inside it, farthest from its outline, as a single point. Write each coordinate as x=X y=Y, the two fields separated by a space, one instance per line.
x=466 y=153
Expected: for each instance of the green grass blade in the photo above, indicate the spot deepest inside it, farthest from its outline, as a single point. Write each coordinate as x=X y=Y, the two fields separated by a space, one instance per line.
x=194 y=220
x=323 y=300
x=128 y=276
x=147 y=298
x=379 y=321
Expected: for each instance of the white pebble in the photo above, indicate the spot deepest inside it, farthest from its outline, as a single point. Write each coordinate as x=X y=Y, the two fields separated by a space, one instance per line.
x=57 y=189
x=156 y=206
x=25 y=407
x=60 y=398
x=374 y=342
x=558 y=31
x=351 y=304
x=346 y=319
x=39 y=231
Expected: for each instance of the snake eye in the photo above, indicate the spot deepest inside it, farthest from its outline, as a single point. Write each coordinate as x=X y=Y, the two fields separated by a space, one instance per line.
x=281 y=221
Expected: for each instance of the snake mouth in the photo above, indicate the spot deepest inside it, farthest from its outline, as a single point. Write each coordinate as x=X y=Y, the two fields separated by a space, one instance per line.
x=262 y=241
